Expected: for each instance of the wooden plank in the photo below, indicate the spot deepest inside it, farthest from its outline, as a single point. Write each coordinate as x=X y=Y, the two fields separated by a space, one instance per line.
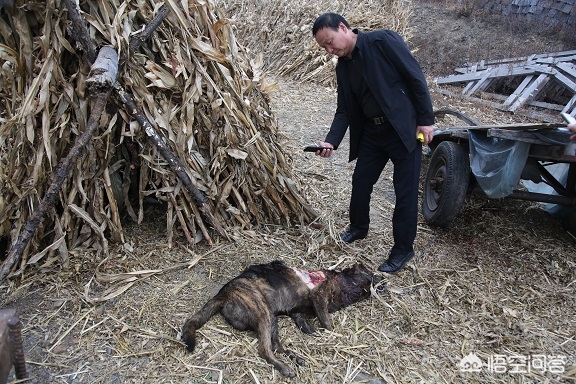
x=570 y=113
x=542 y=104
x=481 y=84
x=541 y=68
x=486 y=63
x=495 y=96
x=566 y=82
x=570 y=105
x=467 y=87
x=509 y=127
x=568 y=68
x=553 y=60
x=534 y=137
x=530 y=92
x=473 y=76
x=512 y=98
x=473 y=68
x=503 y=71
x=459 y=133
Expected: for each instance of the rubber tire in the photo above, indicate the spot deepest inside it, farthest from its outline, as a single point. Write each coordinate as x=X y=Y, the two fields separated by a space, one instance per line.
x=446 y=184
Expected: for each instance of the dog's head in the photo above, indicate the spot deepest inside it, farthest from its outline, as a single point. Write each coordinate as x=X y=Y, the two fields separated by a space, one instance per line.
x=357 y=280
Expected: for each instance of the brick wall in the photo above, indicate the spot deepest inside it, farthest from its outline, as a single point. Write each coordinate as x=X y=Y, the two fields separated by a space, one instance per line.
x=561 y=13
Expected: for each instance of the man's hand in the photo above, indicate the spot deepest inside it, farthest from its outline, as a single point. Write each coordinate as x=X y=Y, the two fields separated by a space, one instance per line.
x=427 y=132
x=325 y=152
x=572 y=127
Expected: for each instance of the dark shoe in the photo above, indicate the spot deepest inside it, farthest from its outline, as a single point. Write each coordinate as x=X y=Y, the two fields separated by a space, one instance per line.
x=351 y=235
x=395 y=262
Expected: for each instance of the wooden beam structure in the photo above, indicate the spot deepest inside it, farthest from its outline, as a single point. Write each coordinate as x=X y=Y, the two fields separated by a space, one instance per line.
x=538 y=86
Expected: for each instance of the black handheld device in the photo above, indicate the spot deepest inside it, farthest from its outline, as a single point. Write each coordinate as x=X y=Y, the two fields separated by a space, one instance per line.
x=312 y=148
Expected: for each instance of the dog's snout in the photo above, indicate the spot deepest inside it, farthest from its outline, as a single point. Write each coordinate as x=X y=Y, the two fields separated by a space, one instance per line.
x=376 y=279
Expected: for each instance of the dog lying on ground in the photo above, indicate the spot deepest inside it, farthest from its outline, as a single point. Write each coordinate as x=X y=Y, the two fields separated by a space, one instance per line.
x=252 y=300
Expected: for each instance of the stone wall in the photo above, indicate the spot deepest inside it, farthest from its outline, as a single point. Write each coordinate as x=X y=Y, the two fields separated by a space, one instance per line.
x=558 y=13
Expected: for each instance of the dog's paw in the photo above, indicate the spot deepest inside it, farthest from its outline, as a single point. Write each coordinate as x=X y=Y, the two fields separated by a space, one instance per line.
x=308 y=329
x=294 y=357
x=300 y=361
x=288 y=372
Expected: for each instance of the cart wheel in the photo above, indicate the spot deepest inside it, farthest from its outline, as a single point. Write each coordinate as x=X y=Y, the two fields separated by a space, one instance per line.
x=446 y=184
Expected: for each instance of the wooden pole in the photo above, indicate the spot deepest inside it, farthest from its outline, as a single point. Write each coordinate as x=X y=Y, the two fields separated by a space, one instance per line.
x=102 y=77
x=101 y=84
x=79 y=29
x=133 y=110
x=138 y=40
x=175 y=165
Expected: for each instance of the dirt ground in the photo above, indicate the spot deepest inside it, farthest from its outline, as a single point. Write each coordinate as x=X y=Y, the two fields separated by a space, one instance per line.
x=445 y=39
x=498 y=285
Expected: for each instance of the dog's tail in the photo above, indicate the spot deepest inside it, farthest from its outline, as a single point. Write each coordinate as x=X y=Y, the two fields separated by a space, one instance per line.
x=212 y=307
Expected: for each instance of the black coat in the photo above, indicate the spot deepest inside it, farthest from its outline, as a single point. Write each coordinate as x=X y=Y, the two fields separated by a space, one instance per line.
x=396 y=81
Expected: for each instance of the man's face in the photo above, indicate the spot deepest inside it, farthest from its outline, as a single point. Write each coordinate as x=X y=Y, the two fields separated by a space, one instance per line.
x=337 y=42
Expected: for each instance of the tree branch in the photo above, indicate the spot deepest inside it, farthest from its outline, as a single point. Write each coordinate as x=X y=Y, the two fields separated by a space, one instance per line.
x=100 y=85
x=137 y=41
x=79 y=29
x=132 y=109
x=175 y=165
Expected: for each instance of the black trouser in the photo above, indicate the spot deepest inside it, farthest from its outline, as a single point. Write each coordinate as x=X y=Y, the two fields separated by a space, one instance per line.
x=379 y=144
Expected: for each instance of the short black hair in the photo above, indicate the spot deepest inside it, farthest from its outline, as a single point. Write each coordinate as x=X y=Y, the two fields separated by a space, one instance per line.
x=328 y=20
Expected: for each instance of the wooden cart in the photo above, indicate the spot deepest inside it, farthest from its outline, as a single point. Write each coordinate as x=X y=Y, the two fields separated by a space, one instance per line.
x=449 y=178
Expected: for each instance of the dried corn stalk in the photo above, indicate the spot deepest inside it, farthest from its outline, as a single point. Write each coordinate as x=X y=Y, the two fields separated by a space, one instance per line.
x=281 y=30
x=193 y=82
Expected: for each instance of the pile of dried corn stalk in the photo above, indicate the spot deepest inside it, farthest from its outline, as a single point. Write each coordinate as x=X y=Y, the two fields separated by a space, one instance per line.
x=190 y=83
x=188 y=123
x=281 y=31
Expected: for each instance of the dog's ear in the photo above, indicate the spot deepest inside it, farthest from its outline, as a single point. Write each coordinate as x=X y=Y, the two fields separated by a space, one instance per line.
x=352 y=270
x=360 y=270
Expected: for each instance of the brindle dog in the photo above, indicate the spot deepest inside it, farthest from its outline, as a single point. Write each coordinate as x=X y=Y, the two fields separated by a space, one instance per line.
x=252 y=300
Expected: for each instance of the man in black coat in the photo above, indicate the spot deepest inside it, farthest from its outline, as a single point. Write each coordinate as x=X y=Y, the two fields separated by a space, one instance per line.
x=383 y=97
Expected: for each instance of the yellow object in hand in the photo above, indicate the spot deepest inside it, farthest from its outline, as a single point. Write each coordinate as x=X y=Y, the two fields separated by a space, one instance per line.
x=420 y=137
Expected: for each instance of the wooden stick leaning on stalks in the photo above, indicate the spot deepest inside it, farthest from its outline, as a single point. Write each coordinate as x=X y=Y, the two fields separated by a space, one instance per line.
x=133 y=110
x=79 y=29
x=139 y=39
x=100 y=80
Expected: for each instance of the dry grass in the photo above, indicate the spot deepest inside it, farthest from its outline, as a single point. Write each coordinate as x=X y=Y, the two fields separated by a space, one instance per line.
x=501 y=282
x=195 y=83
x=440 y=46
x=204 y=98
x=281 y=31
